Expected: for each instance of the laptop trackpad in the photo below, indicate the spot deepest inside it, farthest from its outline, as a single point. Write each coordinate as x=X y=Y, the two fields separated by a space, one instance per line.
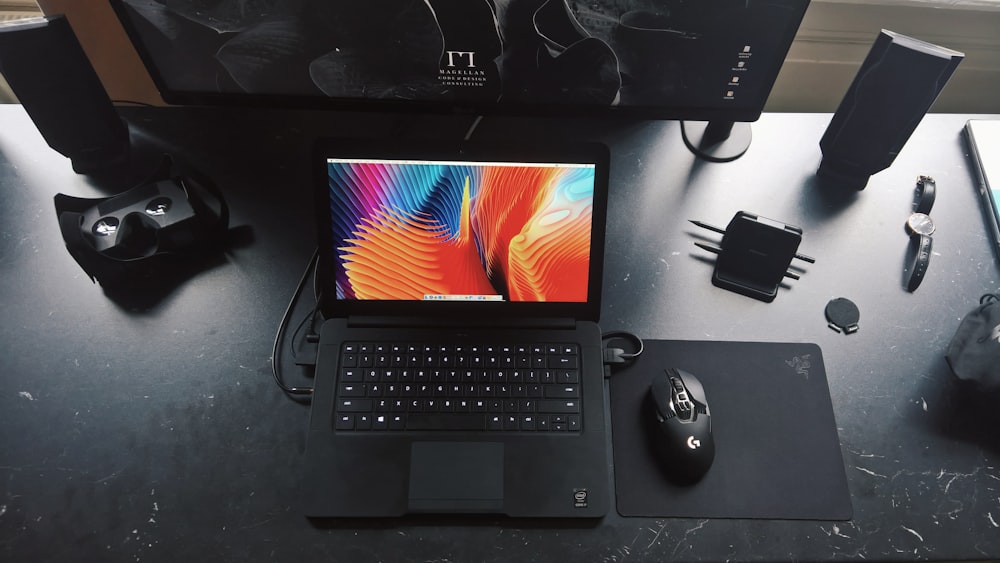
x=456 y=477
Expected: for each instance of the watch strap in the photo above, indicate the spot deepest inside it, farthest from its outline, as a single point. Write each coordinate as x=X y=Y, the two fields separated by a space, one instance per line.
x=918 y=261
x=924 y=195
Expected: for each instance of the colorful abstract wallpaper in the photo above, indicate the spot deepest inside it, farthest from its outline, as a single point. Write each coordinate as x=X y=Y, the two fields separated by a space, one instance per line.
x=416 y=231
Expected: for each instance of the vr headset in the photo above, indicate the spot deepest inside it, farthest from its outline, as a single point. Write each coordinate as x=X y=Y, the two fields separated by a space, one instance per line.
x=142 y=231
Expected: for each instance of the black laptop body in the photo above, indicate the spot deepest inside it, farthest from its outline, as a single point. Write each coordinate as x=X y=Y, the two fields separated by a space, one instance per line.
x=459 y=366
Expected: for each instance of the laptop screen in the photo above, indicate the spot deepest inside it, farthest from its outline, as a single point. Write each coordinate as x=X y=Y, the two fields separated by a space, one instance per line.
x=468 y=230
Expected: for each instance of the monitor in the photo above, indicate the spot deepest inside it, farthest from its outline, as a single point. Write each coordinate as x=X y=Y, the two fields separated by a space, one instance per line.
x=708 y=61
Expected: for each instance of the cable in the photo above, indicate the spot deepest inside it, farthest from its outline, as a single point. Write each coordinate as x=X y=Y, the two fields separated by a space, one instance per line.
x=311 y=336
x=472 y=128
x=618 y=356
x=283 y=326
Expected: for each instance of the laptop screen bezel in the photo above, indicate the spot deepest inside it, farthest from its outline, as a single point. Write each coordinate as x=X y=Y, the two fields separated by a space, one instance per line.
x=382 y=149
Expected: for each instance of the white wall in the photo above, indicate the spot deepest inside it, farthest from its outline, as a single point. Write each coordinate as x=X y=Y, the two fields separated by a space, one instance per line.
x=836 y=35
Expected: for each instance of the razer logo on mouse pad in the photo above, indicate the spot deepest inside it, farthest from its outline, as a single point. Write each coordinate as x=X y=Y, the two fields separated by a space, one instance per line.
x=800 y=364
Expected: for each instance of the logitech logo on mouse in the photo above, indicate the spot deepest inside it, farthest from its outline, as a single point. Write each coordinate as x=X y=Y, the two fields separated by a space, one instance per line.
x=693 y=443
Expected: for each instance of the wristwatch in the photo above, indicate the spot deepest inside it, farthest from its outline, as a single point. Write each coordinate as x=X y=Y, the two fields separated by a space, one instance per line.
x=920 y=227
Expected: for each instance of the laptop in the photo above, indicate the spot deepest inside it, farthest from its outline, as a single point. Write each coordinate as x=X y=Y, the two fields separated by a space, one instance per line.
x=983 y=136
x=460 y=365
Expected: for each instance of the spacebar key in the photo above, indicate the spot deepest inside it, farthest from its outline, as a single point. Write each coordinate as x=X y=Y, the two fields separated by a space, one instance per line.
x=421 y=421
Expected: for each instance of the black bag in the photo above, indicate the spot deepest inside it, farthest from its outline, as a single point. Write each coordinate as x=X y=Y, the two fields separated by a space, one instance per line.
x=974 y=352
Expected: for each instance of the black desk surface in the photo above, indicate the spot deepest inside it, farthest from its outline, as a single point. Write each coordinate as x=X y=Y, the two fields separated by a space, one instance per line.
x=151 y=431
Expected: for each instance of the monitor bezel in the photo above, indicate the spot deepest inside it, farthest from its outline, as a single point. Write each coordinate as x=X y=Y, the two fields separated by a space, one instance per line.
x=182 y=97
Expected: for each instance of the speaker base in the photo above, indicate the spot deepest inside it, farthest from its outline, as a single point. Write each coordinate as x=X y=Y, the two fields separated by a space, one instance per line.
x=716 y=141
x=842 y=176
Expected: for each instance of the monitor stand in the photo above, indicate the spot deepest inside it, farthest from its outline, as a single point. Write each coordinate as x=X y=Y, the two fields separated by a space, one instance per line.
x=716 y=141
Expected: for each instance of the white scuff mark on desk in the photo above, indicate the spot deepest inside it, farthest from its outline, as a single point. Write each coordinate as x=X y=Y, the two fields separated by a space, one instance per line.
x=106 y=479
x=835 y=531
x=914 y=532
x=626 y=276
x=3 y=510
x=950 y=481
x=26 y=395
x=656 y=533
x=869 y=471
x=687 y=533
x=924 y=403
x=989 y=516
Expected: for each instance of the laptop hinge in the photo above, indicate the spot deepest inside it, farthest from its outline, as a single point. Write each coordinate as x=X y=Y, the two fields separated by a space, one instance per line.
x=410 y=322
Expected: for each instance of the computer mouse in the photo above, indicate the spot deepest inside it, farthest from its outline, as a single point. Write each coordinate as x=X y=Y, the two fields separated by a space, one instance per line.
x=680 y=426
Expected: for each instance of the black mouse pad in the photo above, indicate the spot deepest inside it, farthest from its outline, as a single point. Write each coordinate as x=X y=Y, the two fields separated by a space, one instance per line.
x=777 y=450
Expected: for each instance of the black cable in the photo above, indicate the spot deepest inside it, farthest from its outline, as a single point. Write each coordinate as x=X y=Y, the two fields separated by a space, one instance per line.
x=311 y=335
x=472 y=128
x=283 y=326
x=618 y=356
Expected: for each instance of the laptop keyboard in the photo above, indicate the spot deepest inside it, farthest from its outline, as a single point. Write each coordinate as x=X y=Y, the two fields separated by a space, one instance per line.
x=503 y=388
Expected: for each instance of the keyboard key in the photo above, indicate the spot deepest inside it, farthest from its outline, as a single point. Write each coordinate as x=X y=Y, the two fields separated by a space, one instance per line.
x=562 y=362
x=354 y=405
x=397 y=422
x=573 y=423
x=527 y=422
x=511 y=422
x=430 y=421
x=344 y=422
x=494 y=422
x=562 y=392
x=351 y=375
x=558 y=406
x=363 y=421
x=351 y=390
x=567 y=376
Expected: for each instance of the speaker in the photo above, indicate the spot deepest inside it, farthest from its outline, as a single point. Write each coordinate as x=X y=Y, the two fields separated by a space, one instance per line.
x=47 y=69
x=896 y=85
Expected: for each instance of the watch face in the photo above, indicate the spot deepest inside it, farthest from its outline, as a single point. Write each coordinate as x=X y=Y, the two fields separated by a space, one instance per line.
x=920 y=224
